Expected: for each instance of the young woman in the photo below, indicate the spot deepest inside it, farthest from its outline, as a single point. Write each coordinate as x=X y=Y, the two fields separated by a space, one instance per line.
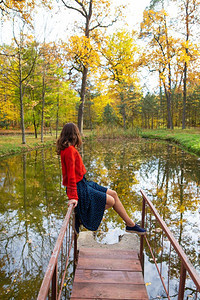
x=88 y=198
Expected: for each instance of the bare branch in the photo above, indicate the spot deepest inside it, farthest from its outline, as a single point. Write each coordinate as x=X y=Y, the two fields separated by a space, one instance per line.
x=74 y=8
x=99 y=24
x=90 y=10
x=8 y=55
x=77 y=69
x=11 y=80
x=31 y=69
x=14 y=35
x=81 y=4
x=13 y=9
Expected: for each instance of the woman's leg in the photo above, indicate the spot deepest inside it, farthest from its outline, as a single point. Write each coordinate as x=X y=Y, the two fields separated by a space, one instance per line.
x=112 y=200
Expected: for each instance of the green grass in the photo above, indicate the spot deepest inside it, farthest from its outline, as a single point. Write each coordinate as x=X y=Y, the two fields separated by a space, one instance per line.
x=111 y=133
x=189 y=139
x=12 y=144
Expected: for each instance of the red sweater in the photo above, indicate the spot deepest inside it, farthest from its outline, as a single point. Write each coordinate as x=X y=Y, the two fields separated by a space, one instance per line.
x=73 y=170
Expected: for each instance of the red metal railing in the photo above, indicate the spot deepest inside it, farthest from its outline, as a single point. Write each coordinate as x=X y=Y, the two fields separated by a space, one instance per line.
x=186 y=266
x=64 y=243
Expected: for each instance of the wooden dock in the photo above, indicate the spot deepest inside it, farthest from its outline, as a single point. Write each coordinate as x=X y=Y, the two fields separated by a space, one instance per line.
x=108 y=274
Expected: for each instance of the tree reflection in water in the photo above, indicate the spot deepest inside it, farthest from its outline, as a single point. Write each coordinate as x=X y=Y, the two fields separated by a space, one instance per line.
x=33 y=206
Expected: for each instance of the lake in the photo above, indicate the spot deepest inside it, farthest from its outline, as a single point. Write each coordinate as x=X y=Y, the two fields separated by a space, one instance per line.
x=34 y=203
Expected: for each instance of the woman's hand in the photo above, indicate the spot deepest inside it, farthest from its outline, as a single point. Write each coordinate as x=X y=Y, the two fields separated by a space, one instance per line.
x=73 y=201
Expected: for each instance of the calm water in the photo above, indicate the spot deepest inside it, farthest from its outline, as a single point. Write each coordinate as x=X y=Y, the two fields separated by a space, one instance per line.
x=33 y=205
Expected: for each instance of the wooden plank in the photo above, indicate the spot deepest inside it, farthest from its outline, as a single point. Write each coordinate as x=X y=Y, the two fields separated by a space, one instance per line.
x=106 y=253
x=109 y=264
x=108 y=274
x=108 y=291
x=106 y=298
x=102 y=276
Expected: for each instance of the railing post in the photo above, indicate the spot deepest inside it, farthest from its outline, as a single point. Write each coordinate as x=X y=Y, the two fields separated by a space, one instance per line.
x=75 y=251
x=142 y=237
x=55 y=283
x=182 y=282
x=75 y=246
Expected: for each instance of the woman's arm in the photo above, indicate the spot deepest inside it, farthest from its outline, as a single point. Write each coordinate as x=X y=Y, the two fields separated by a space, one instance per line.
x=71 y=175
x=73 y=201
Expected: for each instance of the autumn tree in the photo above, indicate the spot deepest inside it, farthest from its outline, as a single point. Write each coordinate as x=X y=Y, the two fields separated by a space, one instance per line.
x=109 y=116
x=47 y=69
x=49 y=95
x=21 y=8
x=189 y=14
x=120 y=65
x=149 y=109
x=187 y=26
x=162 y=52
x=95 y=14
x=20 y=59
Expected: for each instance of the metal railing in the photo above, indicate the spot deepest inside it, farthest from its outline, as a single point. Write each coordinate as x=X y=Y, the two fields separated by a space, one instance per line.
x=67 y=237
x=186 y=266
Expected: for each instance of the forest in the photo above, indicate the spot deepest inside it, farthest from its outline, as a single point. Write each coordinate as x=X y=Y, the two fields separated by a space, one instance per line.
x=103 y=72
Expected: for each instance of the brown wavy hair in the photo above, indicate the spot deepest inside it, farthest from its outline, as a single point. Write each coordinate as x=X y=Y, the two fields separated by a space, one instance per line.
x=70 y=135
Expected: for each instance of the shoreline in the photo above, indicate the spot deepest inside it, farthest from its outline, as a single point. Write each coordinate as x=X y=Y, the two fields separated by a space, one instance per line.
x=188 y=140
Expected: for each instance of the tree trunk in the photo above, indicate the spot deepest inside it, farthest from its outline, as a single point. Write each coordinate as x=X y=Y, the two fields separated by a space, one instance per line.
x=84 y=74
x=57 y=115
x=171 y=126
x=161 y=102
x=145 y=125
x=169 y=116
x=185 y=68
x=123 y=110
x=168 y=90
x=124 y=117
x=184 y=96
x=50 y=128
x=21 y=101
x=90 y=117
x=81 y=106
x=43 y=100
x=35 y=126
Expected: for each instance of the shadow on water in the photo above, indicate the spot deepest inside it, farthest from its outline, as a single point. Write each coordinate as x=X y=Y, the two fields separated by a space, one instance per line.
x=33 y=206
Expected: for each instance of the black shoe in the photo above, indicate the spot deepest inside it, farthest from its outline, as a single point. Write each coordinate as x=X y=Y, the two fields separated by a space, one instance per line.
x=136 y=229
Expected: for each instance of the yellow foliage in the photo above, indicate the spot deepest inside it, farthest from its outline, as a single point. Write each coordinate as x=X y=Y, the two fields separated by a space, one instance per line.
x=24 y=7
x=99 y=103
x=182 y=208
x=122 y=55
x=82 y=52
x=8 y=110
x=160 y=193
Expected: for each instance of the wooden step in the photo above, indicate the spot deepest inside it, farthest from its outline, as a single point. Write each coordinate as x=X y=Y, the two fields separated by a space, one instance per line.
x=108 y=274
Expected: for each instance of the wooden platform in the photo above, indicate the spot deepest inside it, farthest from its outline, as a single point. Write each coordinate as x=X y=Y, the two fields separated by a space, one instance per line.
x=108 y=274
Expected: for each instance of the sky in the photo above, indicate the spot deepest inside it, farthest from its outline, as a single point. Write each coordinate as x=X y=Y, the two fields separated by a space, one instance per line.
x=57 y=23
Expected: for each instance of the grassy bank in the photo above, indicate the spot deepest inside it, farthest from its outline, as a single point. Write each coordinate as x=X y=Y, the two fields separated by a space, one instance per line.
x=12 y=144
x=111 y=133
x=189 y=139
